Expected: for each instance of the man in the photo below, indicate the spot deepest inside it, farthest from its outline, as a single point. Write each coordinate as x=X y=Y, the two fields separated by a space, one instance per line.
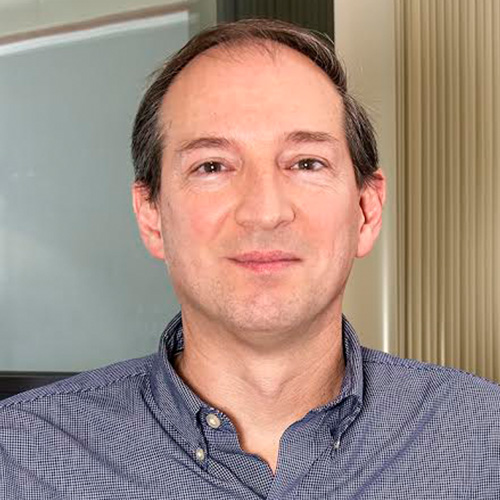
x=257 y=184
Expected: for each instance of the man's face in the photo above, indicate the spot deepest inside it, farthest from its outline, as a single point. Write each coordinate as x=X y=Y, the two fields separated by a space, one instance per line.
x=256 y=168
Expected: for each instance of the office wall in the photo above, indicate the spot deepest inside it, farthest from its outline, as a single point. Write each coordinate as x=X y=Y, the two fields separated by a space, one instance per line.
x=365 y=40
x=77 y=289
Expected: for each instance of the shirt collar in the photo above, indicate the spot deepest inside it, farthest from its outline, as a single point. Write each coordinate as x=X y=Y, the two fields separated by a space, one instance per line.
x=181 y=406
x=350 y=398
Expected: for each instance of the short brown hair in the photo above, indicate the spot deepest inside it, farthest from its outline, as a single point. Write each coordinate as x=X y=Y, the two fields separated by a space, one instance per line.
x=147 y=137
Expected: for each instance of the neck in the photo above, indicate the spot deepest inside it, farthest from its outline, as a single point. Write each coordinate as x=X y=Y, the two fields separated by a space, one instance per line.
x=263 y=391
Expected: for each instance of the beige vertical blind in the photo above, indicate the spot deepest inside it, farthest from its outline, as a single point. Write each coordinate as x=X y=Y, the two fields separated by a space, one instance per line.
x=448 y=115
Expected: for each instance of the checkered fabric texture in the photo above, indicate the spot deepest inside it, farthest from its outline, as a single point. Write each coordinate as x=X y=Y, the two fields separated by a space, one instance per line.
x=400 y=429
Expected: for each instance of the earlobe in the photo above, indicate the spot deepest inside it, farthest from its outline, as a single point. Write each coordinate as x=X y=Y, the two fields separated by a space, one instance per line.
x=148 y=218
x=371 y=202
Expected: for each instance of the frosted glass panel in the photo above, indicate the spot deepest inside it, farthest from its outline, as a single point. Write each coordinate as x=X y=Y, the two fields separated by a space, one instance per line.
x=77 y=289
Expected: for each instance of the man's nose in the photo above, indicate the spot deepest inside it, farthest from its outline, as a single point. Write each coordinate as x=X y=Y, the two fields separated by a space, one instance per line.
x=264 y=201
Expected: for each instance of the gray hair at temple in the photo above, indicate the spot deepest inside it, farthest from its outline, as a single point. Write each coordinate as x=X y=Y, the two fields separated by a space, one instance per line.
x=147 y=136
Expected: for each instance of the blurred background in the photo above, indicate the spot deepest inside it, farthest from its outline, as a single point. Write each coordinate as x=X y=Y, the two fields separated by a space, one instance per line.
x=77 y=289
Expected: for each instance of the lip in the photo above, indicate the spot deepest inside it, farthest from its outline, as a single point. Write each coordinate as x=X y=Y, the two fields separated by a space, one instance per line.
x=266 y=262
x=257 y=257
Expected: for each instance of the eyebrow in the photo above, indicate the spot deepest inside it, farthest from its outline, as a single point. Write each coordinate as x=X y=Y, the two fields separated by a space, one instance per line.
x=302 y=136
x=203 y=143
x=296 y=137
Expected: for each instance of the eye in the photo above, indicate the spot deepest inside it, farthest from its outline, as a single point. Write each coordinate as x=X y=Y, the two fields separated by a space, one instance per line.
x=210 y=167
x=309 y=164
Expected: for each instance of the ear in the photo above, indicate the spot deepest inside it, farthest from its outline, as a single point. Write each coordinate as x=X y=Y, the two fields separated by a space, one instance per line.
x=371 y=202
x=148 y=218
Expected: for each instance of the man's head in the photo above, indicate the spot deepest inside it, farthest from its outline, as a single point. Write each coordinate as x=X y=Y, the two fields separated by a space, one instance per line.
x=246 y=145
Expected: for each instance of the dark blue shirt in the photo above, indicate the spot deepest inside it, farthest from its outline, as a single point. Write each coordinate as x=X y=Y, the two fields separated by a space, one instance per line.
x=400 y=429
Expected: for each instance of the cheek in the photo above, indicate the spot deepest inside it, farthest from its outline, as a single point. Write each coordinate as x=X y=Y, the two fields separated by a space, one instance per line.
x=335 y=224
x=195 y=221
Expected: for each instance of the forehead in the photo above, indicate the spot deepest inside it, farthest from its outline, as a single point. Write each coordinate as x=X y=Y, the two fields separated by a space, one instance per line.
x=251 y=91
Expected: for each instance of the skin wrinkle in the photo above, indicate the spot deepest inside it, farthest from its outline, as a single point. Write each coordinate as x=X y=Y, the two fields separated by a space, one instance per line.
x=295 y=137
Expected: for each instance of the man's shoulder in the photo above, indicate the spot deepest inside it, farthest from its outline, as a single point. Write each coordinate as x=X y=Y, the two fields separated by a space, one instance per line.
x=387 y=375
x=63 y=439
x=107 y=379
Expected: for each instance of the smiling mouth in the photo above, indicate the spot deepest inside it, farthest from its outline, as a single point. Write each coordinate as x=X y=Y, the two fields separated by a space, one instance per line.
x=266 y=261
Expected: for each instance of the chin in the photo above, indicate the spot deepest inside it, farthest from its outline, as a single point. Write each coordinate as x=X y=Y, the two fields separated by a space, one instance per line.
x=262 y=317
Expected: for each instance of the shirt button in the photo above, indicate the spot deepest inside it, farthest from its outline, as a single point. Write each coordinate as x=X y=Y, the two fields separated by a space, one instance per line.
x=213 y=420
x=200 y=454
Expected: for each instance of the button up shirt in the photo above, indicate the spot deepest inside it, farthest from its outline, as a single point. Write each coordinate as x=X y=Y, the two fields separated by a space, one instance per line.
x=399 y=429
